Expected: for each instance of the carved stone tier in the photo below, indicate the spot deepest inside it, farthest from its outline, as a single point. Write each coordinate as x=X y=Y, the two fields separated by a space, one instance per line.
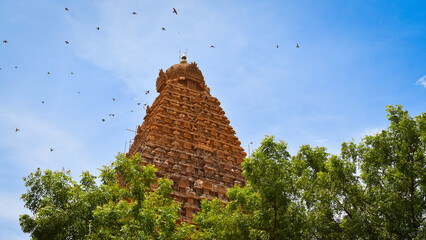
x=187 y=137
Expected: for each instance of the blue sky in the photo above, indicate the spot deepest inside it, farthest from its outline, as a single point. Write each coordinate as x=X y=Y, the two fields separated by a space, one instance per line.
x=355 y=57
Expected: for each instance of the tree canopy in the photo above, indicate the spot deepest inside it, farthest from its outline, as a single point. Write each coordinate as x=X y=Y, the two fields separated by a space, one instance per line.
x=124 y=207
x=374 y=189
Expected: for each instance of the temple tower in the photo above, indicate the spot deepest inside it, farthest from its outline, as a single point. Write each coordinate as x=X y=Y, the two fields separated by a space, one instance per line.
x=187 y=137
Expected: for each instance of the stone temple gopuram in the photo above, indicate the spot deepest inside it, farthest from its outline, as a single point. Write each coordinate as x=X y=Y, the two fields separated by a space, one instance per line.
x=187 y=137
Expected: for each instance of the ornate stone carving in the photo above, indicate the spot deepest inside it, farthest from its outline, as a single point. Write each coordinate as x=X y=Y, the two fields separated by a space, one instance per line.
x=187 y=136
x=161 y=80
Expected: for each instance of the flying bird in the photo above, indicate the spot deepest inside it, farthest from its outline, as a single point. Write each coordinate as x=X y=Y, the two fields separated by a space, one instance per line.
x=277 y=45
x=66 y=9
x=131 y=110
x=139 y=103
x=174 y=11
x=16 y=67
x=42 y=102
x=113 y=99
x=212 y=46
x=72 y=73
x=111 y=114
x=103 y=119
x=5 y=41
x=51 y=149
x=97 y=28
x=147 y=92
x=17 y=130
x=66 y=42
x=134 y=13
x=163 y=28
x=297 y=45
x=78 y=92
x=145 y=104
x=48 y=73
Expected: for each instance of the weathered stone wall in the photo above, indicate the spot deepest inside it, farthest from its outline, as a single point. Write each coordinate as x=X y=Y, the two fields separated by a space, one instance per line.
x=187 y=136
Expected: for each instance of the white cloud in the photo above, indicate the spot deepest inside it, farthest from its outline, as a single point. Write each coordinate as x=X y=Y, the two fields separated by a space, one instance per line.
x=13 y=207
x=30 y=147
x=321 y=140
x=9 y=216
x=368 y=132
x=133 y=47
x=12 y=235
x=422 y=81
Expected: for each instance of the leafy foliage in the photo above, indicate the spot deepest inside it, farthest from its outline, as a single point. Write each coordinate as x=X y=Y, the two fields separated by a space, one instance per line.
x=265 y=209
x=65 y=209
x=372 y=190
x=393 y=172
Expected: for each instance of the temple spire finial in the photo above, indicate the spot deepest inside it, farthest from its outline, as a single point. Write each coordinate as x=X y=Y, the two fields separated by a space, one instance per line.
x=183 y=59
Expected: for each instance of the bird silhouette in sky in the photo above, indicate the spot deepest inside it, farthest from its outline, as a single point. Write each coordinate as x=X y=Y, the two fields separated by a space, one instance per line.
x=111 y=114
x=163 y=28
x=113 y=99
x=147 y=92
x=97 y=28
x=48 y=73
x=174 y=11
x=134 y=13
x=139 y=103
x=5 y=41
x=17 y=130
x=51 y=149
x=66 y=9
x=103 y=119
x=16 y=67
x=277 y=45
x=72 y=73
x=66 y=42
x=131 y=110
x=212 y=46
x=297 y=45
x=42 y=102
x=145 y=104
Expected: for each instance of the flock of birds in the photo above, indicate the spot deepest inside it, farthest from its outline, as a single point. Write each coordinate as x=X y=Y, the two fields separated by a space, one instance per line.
x=72 y=73
x=113 y=99
x=103 y=119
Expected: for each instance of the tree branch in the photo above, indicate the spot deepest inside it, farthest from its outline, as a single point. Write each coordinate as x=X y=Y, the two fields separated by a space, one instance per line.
x=88 y=221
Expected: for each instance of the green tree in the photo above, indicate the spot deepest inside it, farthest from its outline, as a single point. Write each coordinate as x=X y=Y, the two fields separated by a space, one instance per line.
x=124 y=207
x=331 y=192
x=373 y=190
x=267 y=208
x=393 y=171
